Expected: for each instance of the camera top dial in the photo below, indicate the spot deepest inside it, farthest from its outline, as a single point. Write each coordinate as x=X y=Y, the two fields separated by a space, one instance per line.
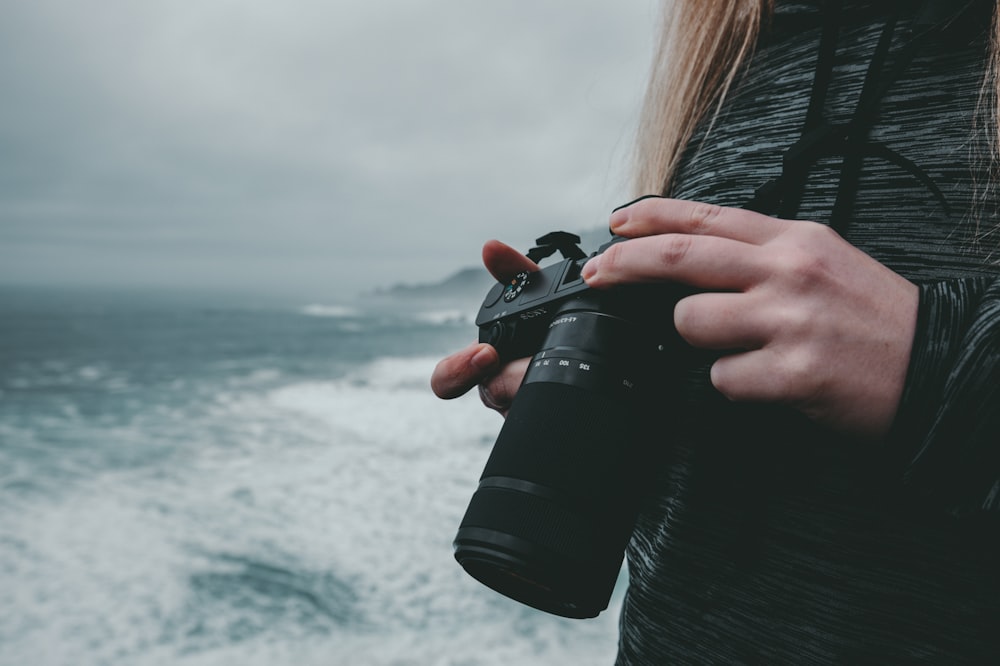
x=515 y=286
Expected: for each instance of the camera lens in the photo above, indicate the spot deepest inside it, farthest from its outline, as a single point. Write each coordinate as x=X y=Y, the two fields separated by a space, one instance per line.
x=557 y=500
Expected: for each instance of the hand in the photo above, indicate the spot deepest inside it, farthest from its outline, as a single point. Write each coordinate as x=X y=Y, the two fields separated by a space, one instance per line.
x=479 y=364
x=822 y=326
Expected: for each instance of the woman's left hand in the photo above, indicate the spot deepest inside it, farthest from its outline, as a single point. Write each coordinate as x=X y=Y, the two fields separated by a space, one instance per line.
x=816 y=323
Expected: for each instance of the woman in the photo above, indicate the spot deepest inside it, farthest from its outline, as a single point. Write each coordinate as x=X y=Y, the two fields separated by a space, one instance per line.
x=832 y=486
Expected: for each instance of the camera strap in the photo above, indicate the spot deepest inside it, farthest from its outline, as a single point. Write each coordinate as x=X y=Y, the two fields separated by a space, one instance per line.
x=782 y=195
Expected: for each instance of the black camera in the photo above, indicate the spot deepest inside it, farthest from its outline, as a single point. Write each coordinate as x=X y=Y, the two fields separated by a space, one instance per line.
x=557 y=501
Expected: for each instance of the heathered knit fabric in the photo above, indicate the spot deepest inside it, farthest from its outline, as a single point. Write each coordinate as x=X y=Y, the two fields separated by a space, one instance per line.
x=769 y=540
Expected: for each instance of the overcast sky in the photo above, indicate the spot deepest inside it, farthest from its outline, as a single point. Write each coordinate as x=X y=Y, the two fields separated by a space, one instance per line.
x=305 y=147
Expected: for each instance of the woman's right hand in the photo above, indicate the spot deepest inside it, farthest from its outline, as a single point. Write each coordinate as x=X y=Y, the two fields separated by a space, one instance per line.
x=479 y=364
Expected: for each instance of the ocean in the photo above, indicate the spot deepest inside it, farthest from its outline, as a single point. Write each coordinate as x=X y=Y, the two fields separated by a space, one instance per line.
x=193 y=481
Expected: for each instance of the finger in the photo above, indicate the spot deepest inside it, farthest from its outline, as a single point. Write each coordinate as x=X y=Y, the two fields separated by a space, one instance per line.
x=721 y=320
x=654 y=215
x=764 y=375
x=498 y=391
x=707 y=262
x=504 y=262
x=456 y=374
x=747 y=377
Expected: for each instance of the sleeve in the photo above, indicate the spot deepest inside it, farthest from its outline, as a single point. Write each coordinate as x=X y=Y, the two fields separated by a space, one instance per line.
x=945 y=442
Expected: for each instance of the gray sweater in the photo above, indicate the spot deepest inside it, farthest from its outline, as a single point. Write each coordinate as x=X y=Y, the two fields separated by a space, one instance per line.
x=767 y=539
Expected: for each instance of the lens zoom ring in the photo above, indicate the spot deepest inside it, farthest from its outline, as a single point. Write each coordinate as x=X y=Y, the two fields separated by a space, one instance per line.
x=534 y=519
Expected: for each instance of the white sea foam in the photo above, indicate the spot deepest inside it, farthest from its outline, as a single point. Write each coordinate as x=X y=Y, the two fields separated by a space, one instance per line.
x=440 y=317
x=407 y=464
x=336 y=311
x=90 y=373
x=308 y=524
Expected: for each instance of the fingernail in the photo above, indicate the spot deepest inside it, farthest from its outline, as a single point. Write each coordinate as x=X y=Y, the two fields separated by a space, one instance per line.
x=484 y=358
x=590 y=268
x=619 y=222
x=486 y=396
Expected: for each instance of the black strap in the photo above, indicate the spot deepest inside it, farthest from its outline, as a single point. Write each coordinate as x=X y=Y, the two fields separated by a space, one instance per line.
x=782 y=195
x=865 y=115
x=815 y=130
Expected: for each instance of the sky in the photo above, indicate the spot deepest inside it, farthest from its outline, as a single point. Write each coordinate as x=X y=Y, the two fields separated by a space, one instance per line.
x=305 y=148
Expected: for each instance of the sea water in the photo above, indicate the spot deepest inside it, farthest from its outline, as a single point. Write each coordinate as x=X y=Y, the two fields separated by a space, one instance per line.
x=190 y=481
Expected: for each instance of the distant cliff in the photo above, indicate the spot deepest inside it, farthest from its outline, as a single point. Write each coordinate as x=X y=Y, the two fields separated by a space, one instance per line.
x=468 y=284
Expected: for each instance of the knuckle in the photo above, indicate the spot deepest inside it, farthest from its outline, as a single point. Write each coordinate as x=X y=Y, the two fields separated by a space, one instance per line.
x=819 y=232
x=703 y=216
x=791 y=321
x=799 y=376
x=673 y=248
x=805 y=257
x=802 y=266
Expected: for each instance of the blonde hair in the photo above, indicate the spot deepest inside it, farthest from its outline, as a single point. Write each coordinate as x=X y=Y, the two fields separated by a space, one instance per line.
x=702 y=46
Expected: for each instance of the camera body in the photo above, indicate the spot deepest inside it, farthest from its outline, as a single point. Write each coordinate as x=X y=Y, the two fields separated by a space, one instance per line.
x=558 y=497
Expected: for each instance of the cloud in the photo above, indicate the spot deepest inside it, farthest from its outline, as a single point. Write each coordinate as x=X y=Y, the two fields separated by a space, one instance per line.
x=305 y=143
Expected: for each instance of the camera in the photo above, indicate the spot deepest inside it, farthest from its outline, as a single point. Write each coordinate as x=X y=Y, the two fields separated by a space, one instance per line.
x=558 y=498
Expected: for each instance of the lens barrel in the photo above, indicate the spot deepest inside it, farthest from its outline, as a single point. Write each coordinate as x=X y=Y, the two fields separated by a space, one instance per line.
x=557 y=500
